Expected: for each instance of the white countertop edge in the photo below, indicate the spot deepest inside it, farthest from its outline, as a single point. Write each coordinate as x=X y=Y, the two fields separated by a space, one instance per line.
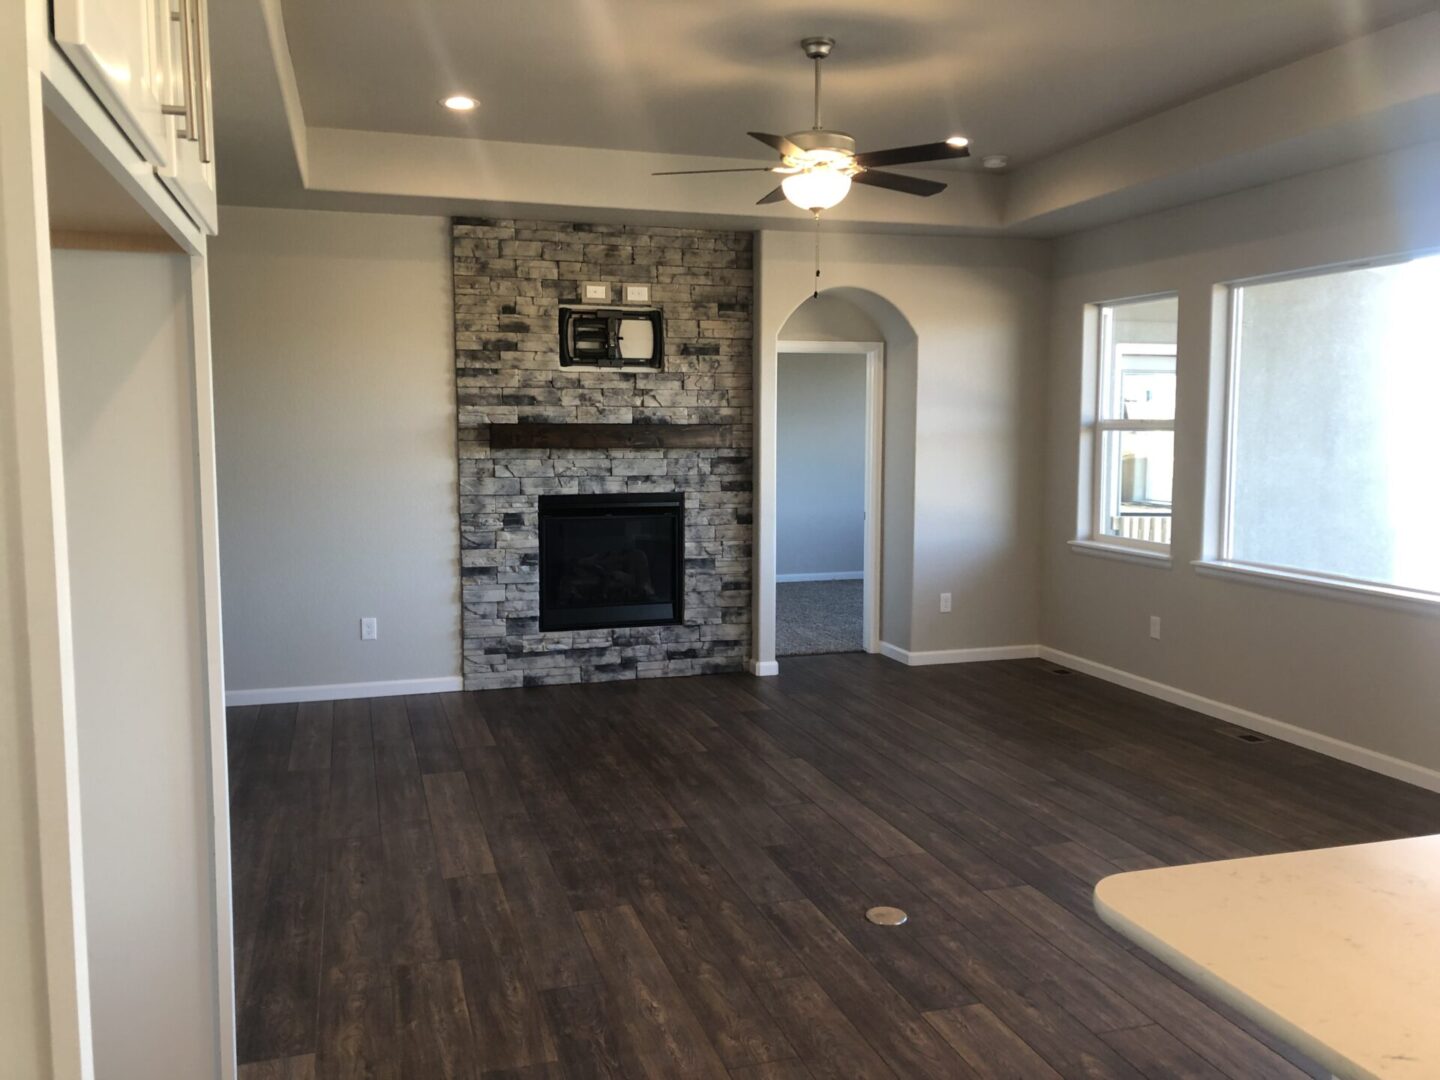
x=1320 y=1053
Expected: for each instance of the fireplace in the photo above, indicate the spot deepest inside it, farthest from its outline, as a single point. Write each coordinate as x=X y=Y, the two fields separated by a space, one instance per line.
x=557 y=589
x=611 y=561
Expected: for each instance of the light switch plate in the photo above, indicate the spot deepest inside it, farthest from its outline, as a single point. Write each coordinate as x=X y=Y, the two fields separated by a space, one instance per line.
x=595 y=292
x=637 y=294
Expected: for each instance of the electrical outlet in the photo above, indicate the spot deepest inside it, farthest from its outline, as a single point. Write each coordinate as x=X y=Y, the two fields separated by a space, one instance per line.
x=369 y=629
x=1155 y=627
x=595 y=292
x=944 y=601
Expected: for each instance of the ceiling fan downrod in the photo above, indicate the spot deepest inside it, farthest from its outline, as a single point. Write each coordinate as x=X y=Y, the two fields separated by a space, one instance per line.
x=817 y=49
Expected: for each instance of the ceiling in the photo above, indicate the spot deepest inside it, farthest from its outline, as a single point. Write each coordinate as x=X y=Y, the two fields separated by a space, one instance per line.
x=1106 y=108
x=1025 y=77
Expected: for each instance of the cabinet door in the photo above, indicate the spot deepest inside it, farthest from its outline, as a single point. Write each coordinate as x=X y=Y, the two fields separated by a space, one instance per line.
x=117 y=47
x=190 y=175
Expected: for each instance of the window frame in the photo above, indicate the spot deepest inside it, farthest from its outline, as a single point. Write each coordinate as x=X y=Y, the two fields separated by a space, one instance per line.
x=1223 y=563
x=1101 y=395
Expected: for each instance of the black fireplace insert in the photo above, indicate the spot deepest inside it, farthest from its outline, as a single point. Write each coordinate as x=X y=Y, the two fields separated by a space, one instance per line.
x=610 y=561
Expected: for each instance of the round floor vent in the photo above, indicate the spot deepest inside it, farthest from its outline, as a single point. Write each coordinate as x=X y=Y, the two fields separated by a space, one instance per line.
x=886 y=916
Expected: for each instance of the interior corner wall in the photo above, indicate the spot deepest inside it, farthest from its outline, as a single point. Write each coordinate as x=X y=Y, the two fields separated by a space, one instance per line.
x=1336 y=667
x=335 y=426
x=967 y=317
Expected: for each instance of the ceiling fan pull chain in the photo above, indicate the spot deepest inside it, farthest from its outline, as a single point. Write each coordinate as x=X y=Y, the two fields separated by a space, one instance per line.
x=817 y=254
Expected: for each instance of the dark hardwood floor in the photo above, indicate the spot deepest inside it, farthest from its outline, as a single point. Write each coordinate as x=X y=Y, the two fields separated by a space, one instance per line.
x=669 y=877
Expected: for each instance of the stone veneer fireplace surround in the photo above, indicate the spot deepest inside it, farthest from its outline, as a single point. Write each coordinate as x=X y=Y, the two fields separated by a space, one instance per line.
x=686 y=428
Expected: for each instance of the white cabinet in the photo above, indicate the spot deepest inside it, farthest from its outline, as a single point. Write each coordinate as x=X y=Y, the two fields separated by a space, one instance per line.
x=119 y=48
x=148 y=62
x=190 y=173
x=139 y=981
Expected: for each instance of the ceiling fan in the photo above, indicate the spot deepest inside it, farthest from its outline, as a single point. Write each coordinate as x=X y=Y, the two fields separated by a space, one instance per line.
x=819 y=165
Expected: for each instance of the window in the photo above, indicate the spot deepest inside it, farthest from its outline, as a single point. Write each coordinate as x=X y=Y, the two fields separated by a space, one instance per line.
x=1332 y=445
x=1134 y=424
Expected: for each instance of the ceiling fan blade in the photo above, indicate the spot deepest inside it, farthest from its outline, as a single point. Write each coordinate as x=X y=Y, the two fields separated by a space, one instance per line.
x=909 y=155
x=775 y=142
x=698 y=172
x=910 y=185
x=778 y=195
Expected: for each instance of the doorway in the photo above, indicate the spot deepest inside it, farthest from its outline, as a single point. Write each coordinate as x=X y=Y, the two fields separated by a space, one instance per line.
x=827 y=579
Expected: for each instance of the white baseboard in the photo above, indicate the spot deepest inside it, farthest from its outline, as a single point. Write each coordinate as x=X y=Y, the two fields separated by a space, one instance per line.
x=958 y=656
x=284 y=695
x=824 y=575
x=763 y=667
x=1374 y=760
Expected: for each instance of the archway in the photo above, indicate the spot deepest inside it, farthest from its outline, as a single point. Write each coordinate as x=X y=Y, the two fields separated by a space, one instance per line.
x=854 y=321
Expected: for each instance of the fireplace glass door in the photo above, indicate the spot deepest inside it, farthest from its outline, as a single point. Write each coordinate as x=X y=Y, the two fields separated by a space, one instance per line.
x=611 y=561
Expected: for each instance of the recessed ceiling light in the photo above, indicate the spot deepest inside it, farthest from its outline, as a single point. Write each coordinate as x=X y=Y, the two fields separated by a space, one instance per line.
x=957 y=141
x=459 y=102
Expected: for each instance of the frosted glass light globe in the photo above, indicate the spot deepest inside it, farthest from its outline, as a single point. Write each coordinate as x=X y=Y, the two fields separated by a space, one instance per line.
x=816 y=189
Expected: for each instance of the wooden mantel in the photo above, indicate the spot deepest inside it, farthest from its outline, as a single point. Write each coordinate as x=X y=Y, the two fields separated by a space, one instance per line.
x=610 y=436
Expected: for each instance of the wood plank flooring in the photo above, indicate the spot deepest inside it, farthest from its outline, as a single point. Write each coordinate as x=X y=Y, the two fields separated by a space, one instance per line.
x=668 y=878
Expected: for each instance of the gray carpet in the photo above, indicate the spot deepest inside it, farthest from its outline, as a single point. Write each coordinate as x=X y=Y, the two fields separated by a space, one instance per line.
x=814 y=617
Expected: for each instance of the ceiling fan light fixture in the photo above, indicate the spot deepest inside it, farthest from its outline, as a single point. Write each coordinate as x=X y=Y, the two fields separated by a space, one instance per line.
x=822 y=157
x=460 y=102
x=819 y=165
x=816 y=189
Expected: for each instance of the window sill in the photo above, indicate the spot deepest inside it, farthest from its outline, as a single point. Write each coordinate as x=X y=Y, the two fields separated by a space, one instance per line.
x=1124 y=554
x=1297 y=581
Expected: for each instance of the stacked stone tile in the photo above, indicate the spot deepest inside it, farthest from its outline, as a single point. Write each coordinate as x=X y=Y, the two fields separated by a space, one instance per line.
x=510 y=279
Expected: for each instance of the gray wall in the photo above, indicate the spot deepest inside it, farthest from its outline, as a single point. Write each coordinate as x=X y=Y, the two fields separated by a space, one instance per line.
x=964 y=324
x=335 y=417
x=1338 y=667
x=821 y=492
x=830 y=318
x=128 y=420
x=964 y=382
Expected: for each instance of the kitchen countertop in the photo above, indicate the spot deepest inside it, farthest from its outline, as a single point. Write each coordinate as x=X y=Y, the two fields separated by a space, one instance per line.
x=1336 y=951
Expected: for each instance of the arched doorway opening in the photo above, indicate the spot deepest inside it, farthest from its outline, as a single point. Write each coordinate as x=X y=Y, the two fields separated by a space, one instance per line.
x=856 y=338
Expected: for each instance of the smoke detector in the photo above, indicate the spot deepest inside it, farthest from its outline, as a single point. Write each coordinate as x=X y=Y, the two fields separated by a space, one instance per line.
x=995 y=161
